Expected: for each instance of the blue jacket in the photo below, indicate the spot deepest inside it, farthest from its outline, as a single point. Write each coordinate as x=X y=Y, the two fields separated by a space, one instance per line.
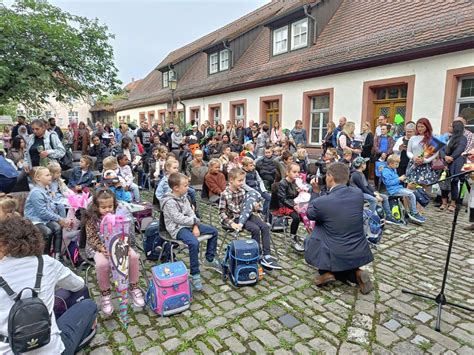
x=391 y=180
x=338 y=241
x=162 y=188
x=121 y=194
x=77 y=178
x=299 y=136
x=39 y=206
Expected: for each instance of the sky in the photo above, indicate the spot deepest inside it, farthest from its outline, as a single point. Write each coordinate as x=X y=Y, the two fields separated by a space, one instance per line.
x=147 y=30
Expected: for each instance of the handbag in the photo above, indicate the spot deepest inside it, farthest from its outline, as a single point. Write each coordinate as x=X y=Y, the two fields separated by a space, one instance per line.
x=66 y=160
x=438 y=164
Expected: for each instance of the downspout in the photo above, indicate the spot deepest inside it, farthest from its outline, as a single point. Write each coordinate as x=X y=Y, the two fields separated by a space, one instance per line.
x=308 y=14
x=184 y=110
x=225 y=43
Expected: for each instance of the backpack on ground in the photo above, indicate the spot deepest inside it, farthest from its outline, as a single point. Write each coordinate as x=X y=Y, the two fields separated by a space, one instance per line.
x=153 y=243
x=421 y=196
x=169 y=290
x=65 y=299
x=240 y=263
x=373 y=226
x=29 y=322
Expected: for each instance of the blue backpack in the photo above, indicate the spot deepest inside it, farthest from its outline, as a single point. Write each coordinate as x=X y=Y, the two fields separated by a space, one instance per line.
x=153 y=243
x=373 y=226
x=240 y=263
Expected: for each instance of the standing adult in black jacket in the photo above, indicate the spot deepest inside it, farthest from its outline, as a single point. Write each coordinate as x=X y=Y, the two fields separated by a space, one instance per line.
x=337 y=246
x=367 y=144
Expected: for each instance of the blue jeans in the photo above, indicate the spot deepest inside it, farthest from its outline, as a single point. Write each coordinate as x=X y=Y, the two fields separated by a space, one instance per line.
x=409 y=193
x=373 y=203
x=76 y=324
x=187 y=236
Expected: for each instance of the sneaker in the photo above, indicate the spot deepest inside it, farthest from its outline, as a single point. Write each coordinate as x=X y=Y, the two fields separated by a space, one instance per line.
x=214 y=264
x=106 y=304
x=270 y=262
x=196 y=281
x=297 y=244
x=137 y=297
x=391 y=220
x=416 y=217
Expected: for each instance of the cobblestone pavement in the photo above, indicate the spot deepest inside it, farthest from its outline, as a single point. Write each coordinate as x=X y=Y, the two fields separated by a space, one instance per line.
x=286 y=313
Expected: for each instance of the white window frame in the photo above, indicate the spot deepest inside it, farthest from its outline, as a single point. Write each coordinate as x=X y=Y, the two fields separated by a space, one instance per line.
x=240 y=117
x=216 y=118
x=296 y=31
x=321 y=112
x=224 y=60
x=276 y=41
x=463 y=100
x=214 y=62
x=166 y=79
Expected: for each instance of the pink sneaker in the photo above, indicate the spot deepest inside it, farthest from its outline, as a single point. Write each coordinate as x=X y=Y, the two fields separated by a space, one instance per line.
x=137 y=297
x=106 y=304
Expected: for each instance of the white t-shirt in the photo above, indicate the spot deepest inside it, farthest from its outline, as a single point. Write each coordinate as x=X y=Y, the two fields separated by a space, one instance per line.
x=20 y=273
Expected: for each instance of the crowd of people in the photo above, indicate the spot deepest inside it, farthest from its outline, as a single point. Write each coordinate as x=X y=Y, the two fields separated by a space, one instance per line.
x=256 y=177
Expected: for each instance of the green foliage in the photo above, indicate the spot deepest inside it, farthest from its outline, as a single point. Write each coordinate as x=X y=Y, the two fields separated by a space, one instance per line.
x=45 y=50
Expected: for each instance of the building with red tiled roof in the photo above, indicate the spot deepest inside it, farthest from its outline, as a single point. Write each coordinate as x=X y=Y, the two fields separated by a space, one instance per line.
x=318 y=60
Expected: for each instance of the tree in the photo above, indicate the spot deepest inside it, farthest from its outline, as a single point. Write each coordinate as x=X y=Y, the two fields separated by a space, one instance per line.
x=45 y=50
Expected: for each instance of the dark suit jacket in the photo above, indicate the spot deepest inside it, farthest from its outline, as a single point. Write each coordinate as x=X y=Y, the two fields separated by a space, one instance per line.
x=338 y=241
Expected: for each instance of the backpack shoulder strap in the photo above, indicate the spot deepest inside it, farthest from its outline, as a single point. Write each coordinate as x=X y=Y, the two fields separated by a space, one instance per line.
x=7 y=288
x=39 y=273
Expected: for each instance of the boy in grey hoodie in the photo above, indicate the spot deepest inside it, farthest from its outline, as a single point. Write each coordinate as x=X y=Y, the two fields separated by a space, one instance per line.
x=181 y=223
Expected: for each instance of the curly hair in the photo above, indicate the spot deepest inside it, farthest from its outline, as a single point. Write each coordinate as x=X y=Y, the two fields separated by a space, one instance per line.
x=92 y=213
x=20 y=238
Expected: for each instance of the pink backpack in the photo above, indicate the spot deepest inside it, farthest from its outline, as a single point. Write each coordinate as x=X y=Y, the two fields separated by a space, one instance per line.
x=169 y=291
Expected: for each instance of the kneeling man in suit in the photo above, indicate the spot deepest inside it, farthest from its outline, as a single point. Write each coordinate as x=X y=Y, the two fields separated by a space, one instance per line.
x=337 y=246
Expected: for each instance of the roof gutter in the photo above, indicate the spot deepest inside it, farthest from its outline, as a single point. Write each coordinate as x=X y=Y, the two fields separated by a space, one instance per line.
x=412 y=54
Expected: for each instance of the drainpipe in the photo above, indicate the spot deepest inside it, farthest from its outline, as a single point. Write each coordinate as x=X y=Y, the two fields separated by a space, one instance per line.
x=308 y=14
x=184 y=110
x=226 y=46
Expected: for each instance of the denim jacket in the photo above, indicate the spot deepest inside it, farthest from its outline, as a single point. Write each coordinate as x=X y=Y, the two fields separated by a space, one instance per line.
x=39 y=206
x=77 y=178
x=55 y=153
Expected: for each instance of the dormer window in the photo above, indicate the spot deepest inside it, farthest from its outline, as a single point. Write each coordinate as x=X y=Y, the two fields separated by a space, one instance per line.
x=299 y=34
x=218 y=61
x=165 y=79
x=280 y=40
x=290 y=37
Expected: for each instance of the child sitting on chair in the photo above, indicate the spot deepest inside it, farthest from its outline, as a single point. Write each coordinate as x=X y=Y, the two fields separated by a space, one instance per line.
x=81 y=176
x=183 y=224
x=215 y=180
x=235 y=210
x=393 y=184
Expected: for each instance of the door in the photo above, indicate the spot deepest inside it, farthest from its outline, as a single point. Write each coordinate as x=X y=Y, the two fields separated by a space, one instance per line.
x=272 y=113
x=389 y=110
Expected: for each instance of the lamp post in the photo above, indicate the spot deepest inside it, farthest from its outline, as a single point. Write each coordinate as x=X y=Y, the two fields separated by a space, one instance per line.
x=172 y=82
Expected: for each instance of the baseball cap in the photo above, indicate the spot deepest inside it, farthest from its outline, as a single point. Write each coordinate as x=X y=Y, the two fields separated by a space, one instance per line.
x=357 y=162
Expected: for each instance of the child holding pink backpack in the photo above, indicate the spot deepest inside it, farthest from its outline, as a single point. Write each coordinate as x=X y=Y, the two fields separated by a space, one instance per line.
x=103 y=203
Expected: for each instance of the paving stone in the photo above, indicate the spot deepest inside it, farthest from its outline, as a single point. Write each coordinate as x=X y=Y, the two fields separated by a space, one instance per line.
x=216 y=322
x=257 y=347
x=142 y=319
x=287 y=336
x=437 y=349
x=216 y=345
x=172 y=344
x=303 y=331
x=154 y=350
x=99 y=339
x=243 y=335
x=235 y=346
x=402 y=307
x=119 y=337
x=423 y=317
x=103 y=350
x=465 y=350
x=404 y=332
x=267 y=338
x=224 y=333
x=203 y=348
x=392 y=325
x=140 y=343
x=289 y=321
x=194 y=332
x=378 y=350
x=249 y=323
x=351 y=349
x=133 y=331
x=385 y=336
x=365 y=307
x=321 y=345
x=170 y=332
x=357 y=335
x=463 y=335
x=362 y=321
x=301 y=349
x=406 y=348
x=418 y=339
x=282 y=352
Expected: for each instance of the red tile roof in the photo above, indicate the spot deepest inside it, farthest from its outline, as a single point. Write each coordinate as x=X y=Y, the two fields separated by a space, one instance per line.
x=359 y=31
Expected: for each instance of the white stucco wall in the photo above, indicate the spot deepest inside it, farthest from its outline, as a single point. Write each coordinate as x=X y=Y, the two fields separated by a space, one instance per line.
x=348 y=91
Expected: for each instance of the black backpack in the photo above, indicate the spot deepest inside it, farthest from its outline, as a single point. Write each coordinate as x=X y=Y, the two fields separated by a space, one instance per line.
x=29 y=322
